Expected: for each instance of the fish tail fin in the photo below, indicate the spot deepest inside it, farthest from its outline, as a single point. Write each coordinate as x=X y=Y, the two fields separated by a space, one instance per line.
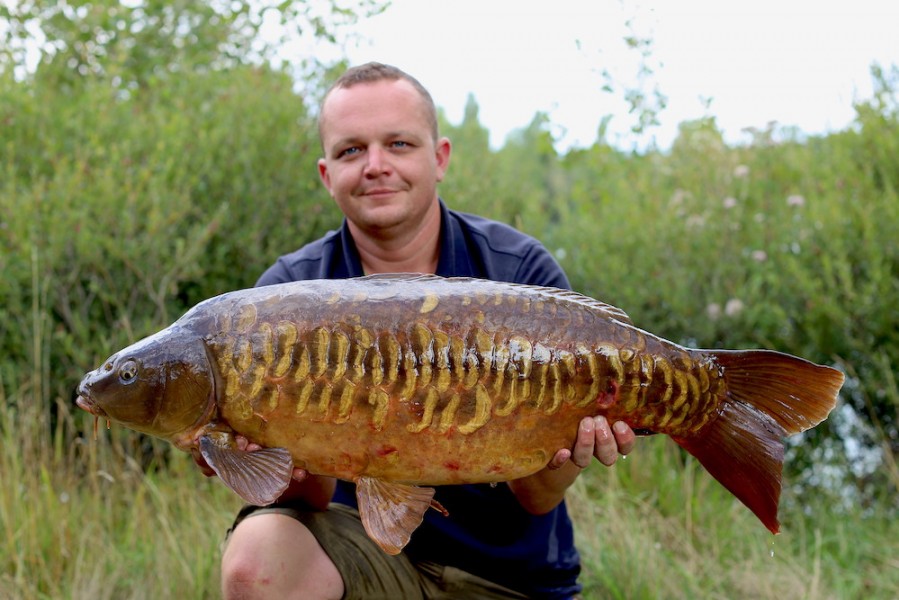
x=769 y=396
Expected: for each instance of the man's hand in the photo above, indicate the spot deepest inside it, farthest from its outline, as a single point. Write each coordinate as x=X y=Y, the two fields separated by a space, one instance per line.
x=544 y=490
x=596 y=438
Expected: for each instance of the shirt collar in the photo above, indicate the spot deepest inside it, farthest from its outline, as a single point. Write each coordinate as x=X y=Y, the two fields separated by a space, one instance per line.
x=453 y=261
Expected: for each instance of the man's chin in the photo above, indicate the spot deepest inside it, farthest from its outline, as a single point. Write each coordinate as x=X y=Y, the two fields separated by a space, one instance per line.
x=384 y=212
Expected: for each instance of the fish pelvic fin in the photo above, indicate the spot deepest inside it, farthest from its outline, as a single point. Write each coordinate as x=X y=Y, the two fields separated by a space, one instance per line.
x=770 y=395
x=391 y=512
x=259 y=477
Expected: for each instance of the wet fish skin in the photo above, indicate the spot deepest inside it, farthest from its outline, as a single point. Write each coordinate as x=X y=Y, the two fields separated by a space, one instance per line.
x=391 y=380
x=474 y=389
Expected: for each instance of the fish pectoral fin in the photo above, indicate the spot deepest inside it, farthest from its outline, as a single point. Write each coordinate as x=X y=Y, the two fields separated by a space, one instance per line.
x=259 y=477
x=390 y=512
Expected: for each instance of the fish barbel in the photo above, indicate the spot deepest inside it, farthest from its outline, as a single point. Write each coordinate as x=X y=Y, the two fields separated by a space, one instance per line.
x=401 y=381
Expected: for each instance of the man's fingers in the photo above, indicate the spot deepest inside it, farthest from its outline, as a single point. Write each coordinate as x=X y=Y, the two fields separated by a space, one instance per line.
x=559 y=459
x=606 y=446
x=595 y=437
x=624 y=437
x=245 y=444
x=582 y=453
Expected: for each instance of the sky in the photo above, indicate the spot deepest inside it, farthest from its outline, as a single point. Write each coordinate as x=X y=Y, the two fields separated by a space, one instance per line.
x=799 y=63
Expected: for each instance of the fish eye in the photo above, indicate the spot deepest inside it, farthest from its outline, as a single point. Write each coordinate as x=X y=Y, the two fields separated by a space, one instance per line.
x=128 y=372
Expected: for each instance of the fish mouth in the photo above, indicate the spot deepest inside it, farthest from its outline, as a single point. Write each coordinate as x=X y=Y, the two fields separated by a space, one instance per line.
x=85 y=403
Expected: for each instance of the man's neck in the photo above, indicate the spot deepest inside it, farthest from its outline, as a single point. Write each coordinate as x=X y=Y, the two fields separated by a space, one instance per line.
x=415 y=251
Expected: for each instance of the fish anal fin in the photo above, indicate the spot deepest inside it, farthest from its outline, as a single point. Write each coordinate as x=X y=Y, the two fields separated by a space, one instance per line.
x=259 y=477
x=390 y=512
x=743 y=449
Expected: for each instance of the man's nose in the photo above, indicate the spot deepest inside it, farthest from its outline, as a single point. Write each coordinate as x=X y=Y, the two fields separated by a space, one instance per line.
x=377 y=162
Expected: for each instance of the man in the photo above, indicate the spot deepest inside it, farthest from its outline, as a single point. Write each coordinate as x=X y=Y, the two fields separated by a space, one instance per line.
x=382 y=162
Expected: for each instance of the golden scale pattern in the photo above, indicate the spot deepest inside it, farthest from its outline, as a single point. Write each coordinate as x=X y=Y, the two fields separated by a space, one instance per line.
x=345 y=365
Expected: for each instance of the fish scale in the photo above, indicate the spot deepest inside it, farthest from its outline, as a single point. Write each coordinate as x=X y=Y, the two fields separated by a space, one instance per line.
x=397 y=381
x=470 y=370
x=517 y=371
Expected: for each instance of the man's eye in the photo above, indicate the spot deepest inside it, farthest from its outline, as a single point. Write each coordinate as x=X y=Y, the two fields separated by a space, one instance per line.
x=400 y=144
x=348 y=151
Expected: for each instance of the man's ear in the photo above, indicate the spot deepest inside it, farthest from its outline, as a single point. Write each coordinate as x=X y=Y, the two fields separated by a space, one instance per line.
x=323 y=174
x=443 y=150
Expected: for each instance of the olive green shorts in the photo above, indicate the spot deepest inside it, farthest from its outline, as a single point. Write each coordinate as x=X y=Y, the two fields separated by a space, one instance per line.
x=370 y=573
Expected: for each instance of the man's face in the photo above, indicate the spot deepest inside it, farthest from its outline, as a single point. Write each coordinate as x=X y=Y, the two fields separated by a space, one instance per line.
x=381 y=163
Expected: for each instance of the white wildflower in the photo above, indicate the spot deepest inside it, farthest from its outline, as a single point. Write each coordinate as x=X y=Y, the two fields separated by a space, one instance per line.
x=730 y=202
x=795 y=200
x=695 y=222
x=733 y=307
x=759 y=255
x=677 y=198
x=713 y=311
x=741 y=171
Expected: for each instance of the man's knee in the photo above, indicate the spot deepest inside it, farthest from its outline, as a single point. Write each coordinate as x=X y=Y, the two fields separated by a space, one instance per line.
x=273 y=555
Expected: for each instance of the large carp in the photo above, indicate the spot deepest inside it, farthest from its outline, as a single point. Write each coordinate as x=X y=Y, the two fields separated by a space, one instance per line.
x=397 y=381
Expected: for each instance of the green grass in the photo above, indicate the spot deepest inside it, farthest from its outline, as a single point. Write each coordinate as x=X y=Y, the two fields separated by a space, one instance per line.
x=657 y=526
x=89 y=522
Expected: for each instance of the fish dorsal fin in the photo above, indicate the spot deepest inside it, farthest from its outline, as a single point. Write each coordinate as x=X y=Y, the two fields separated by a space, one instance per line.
x=259 y=477
x=401 y=277
x=592 y=303
x=612 y=312
x=390 y=512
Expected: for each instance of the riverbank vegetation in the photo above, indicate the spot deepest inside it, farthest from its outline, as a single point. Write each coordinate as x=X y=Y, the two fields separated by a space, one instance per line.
x=133 y=185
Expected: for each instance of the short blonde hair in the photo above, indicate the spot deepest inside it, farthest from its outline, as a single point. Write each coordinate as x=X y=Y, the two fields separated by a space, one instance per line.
x=373 y=72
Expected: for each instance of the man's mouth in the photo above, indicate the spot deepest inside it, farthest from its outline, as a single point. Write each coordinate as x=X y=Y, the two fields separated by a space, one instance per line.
x=379 y=193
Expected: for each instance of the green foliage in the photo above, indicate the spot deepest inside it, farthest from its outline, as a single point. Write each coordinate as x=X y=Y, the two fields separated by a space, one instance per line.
x=119 y=214
x=132 y=44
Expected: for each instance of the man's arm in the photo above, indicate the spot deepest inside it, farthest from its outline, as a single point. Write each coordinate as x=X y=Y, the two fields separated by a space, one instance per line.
x=543 y=491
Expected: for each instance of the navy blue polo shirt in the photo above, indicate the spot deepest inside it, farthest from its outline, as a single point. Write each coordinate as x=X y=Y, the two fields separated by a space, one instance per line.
x=488 y=533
